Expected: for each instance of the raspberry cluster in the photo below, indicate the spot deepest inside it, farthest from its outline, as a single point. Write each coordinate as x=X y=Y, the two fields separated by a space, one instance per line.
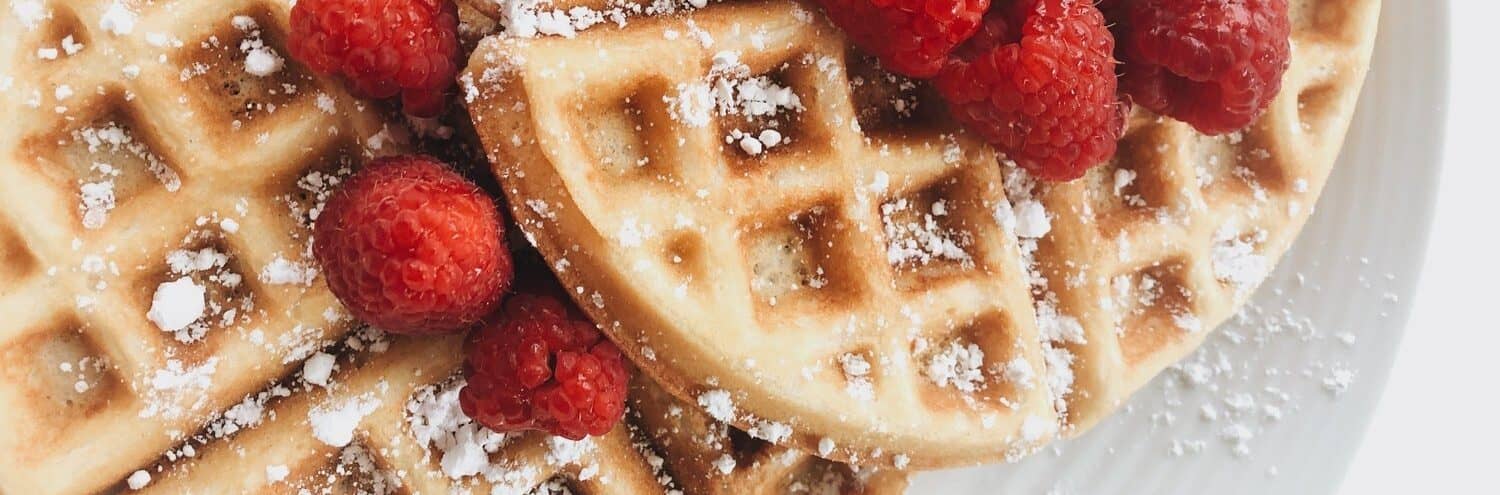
x=541 y=365
x=411 y=246
x=1038 y=82
x=382 y=48
x=1215 y=64
x=1038 y=78
x=911 y=37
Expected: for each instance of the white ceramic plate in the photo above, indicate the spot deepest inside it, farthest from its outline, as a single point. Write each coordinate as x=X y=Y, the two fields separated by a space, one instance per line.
x=1278 y=402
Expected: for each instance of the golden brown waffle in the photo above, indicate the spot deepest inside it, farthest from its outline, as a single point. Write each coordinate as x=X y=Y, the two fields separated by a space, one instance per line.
x=139 y=149
x=398 y=445
x=219 y=175
x=287 y=454
x=1150 y=253
x=760 y=286
x=834 y=284
x=710 y=457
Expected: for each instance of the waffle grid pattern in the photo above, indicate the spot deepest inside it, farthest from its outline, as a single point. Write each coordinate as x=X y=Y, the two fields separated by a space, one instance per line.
x=383 y=455
x=93 y=388
x=769 y=281
x=1159 y=247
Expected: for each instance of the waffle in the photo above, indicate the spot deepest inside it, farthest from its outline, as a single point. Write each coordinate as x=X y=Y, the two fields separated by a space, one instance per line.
x=751 y=278
x=710 y=457
x=140 y=152
x=214 y=175
x=409 y=441
x=859 y=277
x=1150 y=253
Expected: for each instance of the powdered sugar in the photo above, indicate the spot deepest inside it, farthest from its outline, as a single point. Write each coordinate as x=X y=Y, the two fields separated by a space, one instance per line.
x=1235 y=260
x=112 y=139
x=260 y=60
x=98 y=199
x=857 y=376
x=30 y=12
x=725 y=464
x=957 y=365
x=177 y=390
x=731 y=90
x=334 y=424
x=318 y=368
x=718 y=405
x=914 y=238
x=770 y=431
x=1028 y=219
x=281 y=271
x=276 y=473
x=118 y=19
x=177 y=304
x=531 y=18
x=138 y=479
x=434 y=419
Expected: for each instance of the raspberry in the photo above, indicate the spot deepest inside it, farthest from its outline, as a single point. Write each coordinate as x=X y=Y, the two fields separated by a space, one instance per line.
x=412 y=247
x=911 y=37
x=542 y=366
x=382 y=47
x=1038 y=83
x=1215 y=64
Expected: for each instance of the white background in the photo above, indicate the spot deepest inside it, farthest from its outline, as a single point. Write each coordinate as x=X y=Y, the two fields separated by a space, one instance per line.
x=1438 y=425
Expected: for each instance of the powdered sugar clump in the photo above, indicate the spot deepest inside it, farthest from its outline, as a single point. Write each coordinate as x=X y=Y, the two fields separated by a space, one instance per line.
x=260 y=60
x=718 y=405
x=770 y=431
x=30 y=12
x=334 y=425
x=434 y=418
x=98 y=199
x=117 y=19
x=958 y=366
x=1235 y=261
x=138 y=480
x=857 y=375
x=277 y=472
x=281 y=271
x=318 y=369
x=725 y=464
x=177 y=304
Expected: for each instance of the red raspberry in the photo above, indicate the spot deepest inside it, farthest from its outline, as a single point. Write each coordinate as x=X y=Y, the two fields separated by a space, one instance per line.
x=1038 y=82
x=1215 y=64
x=541 y=365
x=911 y=37
x=412 y=247
x=382 y=47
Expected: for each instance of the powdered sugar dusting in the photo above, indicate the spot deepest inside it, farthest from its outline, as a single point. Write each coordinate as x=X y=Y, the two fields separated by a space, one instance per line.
x=434 y=419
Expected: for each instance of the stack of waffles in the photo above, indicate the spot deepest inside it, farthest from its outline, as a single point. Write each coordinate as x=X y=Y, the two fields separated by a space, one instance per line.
x=803 y=256
x=777 y=230
x=150 y=148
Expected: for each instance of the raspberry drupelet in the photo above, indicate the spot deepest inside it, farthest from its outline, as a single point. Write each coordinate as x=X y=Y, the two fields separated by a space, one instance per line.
x=382 y=48
x=541 y=365
x=410 y=246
